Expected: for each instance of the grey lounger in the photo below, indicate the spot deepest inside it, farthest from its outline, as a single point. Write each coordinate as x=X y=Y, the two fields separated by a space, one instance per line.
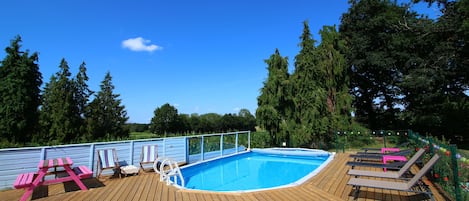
x=409 y=186
x=378 y=150
x=389 y=174
x=379 y=156
x=390 y=166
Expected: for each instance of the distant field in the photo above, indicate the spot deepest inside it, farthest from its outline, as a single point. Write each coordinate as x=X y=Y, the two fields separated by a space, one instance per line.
x=142 y=135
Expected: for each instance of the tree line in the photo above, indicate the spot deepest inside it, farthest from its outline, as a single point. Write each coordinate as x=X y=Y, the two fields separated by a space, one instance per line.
x=63 y=112
x=387 y=67
x=167 y=120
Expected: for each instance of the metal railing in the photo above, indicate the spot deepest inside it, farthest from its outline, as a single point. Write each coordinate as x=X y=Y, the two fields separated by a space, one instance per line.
x=208 y=146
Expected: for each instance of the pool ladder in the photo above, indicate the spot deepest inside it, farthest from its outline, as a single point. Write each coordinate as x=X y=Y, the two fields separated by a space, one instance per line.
x=172 y=170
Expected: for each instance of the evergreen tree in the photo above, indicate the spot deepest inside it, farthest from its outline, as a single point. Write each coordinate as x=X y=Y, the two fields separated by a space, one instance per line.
x=335 y=81
x=82 y=96
x=60 y=116
x=20 y=82
x=106 y=117
x=272 y=102
x=307 y=123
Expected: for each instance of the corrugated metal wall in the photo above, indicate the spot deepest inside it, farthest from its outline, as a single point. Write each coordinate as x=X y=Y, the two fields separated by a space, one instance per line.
x=22 y=160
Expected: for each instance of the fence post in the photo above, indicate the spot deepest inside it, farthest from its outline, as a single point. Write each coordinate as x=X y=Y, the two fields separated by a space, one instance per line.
x=384 y=138
x=345 y=141
x=454 y=164
x=337 y=141
x=430 y=146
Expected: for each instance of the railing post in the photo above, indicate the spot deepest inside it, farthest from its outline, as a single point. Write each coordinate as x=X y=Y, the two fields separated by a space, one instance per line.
x=236 y=142
x=454 y=165
x=221 y=144
x=91 y=158
x=164 y=147
x=132 y=152
x=43 y=153
x=202 y=148
x=187 y=149
x=249 y=140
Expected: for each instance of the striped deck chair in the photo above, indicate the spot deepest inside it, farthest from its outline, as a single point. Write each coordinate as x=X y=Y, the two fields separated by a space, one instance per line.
x=148 y=155
x=107 y=159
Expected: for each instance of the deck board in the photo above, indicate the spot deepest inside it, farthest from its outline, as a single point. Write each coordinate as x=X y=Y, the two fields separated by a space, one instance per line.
x=329 y=184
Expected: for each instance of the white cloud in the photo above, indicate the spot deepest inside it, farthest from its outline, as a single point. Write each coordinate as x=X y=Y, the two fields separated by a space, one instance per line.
x=140 y=44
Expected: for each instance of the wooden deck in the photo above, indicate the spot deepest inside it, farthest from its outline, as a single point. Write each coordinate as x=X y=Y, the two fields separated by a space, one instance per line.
x=329 y=184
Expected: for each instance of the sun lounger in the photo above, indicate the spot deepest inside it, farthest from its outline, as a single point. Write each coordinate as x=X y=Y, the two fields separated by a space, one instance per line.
x=413 y=185
x=379 y=156
x=390 y=166
x=378 y=150
x=394 y=175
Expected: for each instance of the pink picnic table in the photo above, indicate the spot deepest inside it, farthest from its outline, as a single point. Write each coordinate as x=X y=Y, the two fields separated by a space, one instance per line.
x=393 y=158
x=43 y=169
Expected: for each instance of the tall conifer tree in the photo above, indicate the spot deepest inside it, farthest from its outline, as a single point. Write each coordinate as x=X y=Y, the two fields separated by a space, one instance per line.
x=82 y=96
x=60 y=116
x=334 y=80
x=272 y=102
x=20 y=82
x=307 y=121
x=106 y=117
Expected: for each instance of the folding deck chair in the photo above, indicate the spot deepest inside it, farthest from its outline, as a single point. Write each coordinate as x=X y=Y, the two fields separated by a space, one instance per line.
x=413 y=185
x=107 y=159
x=394 y=175
x=148 y=155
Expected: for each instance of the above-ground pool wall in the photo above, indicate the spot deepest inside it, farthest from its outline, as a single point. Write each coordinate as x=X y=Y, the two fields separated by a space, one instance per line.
x=21 y=160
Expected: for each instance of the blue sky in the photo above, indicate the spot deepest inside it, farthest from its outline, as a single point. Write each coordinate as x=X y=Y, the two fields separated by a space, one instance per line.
x=199 y=56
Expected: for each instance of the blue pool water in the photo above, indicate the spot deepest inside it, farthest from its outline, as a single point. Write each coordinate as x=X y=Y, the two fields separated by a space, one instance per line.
x=253 y=170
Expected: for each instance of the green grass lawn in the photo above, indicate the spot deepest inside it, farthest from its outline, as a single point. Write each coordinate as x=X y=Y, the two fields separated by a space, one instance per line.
x=142 y=135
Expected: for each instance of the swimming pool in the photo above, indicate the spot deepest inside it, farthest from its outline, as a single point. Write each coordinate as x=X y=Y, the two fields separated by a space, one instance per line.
x=258 y=169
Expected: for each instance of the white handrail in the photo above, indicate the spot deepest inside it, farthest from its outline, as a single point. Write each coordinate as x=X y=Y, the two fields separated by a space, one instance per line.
x=172 y=170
